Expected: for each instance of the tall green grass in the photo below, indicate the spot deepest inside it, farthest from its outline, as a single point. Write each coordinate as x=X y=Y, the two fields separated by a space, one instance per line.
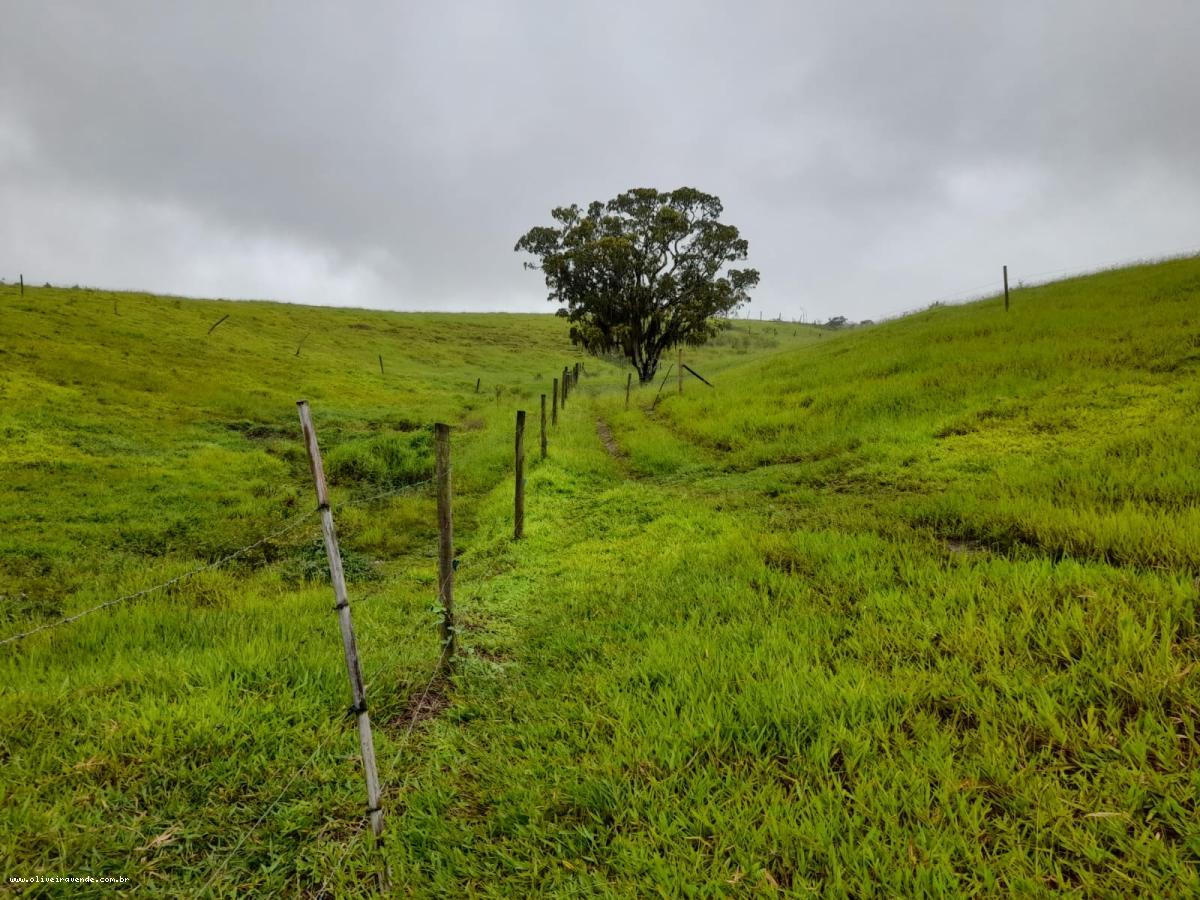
x=905 y=610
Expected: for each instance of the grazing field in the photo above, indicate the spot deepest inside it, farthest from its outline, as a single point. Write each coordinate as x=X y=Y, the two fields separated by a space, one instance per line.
x=907 y=609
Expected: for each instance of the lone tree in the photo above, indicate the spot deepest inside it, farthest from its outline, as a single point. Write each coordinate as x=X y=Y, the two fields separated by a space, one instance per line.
x=642 y=273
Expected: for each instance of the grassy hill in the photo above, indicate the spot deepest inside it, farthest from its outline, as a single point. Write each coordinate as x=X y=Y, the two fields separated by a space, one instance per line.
x=906 y=609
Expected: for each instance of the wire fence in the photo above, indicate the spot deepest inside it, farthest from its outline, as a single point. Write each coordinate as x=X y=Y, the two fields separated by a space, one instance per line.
x=373 y=682
x=219 y=870
x=287 y=528
x=418 y=708
x=1019 y=280
x=391 y=492
x=995 y=287
x=292 y=525
x=217 y=563
x=414 y=717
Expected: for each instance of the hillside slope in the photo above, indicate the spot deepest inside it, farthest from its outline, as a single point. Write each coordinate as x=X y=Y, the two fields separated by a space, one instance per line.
x=910 y=609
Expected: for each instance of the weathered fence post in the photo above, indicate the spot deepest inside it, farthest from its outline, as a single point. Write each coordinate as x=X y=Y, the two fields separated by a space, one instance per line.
x=1006 y=288
x=447 y=629
x=628 y=385
x=554 y=405
x=477 y=380
x=680 y=377
x=566 y=386
x=349 y=647
x=380 y=363
x=22 y=284
x=543 y=426
x=519 y=496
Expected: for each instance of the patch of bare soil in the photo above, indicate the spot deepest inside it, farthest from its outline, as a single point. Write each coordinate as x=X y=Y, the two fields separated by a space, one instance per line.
x=606 y=438
x=490 y=655
x=423 y=705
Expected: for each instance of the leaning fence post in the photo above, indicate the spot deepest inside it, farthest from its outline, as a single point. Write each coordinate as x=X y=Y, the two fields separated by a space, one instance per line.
x=628 y=385
x=554 y=405
x=447 y=629
x=350 y=648
x=543 y=426
x=477 y=380
x=519 y=496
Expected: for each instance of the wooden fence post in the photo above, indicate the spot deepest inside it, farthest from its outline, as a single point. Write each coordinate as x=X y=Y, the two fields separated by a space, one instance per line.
x=543 y=426
x=349 y=647
x=566 y=386
x=628 y=385
x=380 y=363
x=680 y=378
x=1006 y=288
x=22 y=284
x=519 y=496
x=554 y=405
x=447 y=630
x=477 y=385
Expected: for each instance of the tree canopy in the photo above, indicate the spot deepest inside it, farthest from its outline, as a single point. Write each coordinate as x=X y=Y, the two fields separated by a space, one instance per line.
x=642 y=273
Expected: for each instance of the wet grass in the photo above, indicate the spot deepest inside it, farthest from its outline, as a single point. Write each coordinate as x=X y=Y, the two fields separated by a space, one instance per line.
x=907 y=610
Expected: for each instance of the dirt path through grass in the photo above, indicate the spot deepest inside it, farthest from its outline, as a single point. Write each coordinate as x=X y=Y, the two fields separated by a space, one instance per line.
x=606 y=438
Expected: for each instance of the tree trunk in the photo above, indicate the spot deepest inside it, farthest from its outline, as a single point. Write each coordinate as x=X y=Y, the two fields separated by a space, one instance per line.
x=646 y=369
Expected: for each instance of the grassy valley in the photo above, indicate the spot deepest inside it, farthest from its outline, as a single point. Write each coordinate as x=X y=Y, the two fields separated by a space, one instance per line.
x=905 y=609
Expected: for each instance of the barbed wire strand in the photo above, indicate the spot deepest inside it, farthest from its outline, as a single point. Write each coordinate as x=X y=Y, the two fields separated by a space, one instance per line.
x=321 y=745
x=372 y=682
x=388 y=493
x=290 y=526
x=412 y=722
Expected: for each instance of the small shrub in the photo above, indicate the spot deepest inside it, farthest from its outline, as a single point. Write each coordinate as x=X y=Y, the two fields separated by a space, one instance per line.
x=386 y=460
x=309 y=563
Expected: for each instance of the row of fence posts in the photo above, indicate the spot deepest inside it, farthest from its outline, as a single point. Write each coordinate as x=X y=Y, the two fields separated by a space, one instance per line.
x=570 y=378
x=447 y=629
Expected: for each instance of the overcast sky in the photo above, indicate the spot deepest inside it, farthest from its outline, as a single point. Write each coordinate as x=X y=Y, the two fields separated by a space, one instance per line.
x=877 y=156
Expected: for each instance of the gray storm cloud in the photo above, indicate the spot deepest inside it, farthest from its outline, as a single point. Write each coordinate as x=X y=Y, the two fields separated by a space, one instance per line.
x=877 y=156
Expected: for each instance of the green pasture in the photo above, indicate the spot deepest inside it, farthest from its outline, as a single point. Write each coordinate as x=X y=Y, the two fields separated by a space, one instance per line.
x=907 y=609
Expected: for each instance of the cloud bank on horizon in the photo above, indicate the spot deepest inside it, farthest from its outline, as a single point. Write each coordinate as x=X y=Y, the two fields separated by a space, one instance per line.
x=877 y=156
